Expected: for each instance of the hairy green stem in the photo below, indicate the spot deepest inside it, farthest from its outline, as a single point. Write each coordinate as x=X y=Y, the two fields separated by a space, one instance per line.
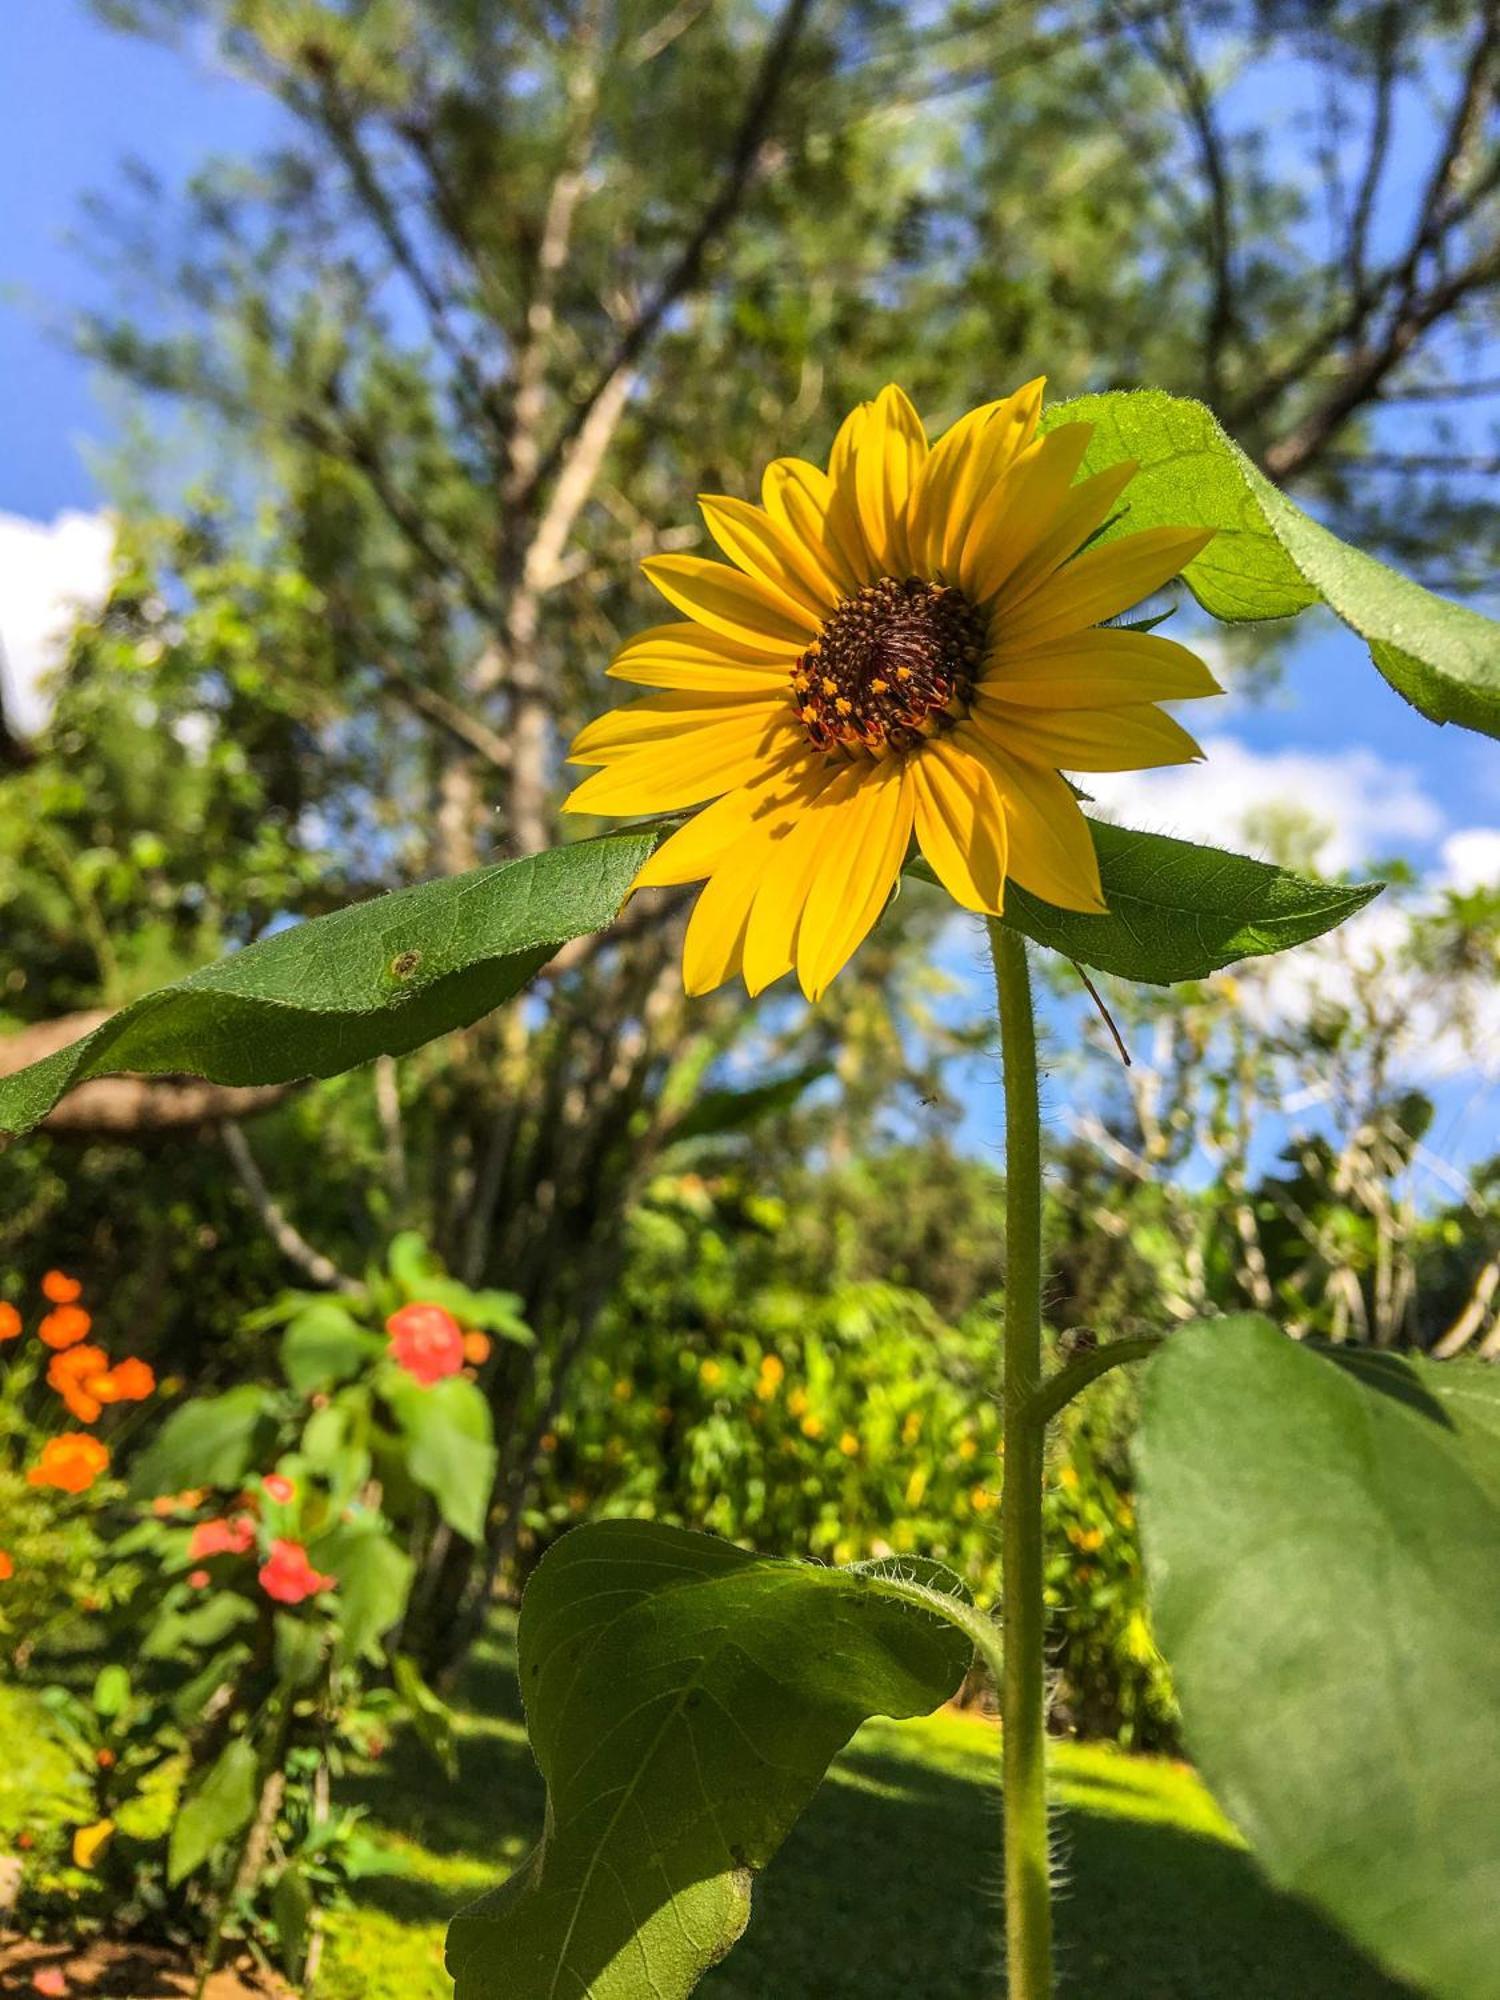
x=1028 y=1886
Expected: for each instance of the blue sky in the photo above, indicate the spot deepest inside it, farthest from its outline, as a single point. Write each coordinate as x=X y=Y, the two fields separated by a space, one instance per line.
x=79 y=98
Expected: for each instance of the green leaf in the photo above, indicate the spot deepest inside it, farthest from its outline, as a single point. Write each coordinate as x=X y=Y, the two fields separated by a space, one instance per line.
x=1322 y=1533
x=325 y=1345
x=430 y=1718
x=217 y=1809
x=212 y=1441
x=374 y=1577
x=1180 y=911
x=450 y=1446
x=299 y=1650
x=175 y=1633
x=111 y=1691
x=684 y=1700
x=715 y=1113
x=1270 y=560
x=376 y=979
x=291 y=1912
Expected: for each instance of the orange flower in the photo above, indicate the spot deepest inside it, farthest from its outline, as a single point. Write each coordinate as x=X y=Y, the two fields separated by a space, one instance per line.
x=7 y=1567
x=477 y=1347
x=61 y=1289
x=72 y=1462
x=75 y=1374
x=129 y=1381
x=65 y=1327
x=10 y=1320
x=279 y=1488
x=105 y=1759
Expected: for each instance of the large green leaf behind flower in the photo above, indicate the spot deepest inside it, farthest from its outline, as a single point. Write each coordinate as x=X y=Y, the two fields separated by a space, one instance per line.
x=1270 y=560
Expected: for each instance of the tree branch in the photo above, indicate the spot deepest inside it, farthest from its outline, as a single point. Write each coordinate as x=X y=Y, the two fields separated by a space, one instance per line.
x=288 y=1240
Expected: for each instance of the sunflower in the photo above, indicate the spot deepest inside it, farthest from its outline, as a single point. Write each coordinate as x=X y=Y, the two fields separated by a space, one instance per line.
x=908 y=645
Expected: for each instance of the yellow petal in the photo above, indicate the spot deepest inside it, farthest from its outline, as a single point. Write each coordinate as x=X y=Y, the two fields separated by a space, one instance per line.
x=1108 y=739
x=667 y=717
x=888 y=457
x=752 y=613
x=869 y=836
x=845 y=527
x=799 y=496
x=690 y=656
x=695 y=850
x=685 y=770
x=1098 y=585
x=960 y=823
x=771 y=936
x=764 y=549
x=1051 y=850
x=968 y=460
x=716 y=930
x=1035 y=553
x=1019 y=508
x=1105 y=668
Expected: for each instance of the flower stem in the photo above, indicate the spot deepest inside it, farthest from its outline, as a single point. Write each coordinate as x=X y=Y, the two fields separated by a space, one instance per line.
x=1028 y=1887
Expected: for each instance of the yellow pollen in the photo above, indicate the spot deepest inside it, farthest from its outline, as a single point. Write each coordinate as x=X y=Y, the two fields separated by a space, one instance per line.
x=903 y=673
x=880 y=687
x=830 y=687
x=844 y=707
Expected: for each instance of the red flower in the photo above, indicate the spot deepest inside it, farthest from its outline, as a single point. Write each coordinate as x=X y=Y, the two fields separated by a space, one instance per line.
x=61 y=1289
x=7 y=1567
x=105 y=1759
x=10 y=1321
x=279 y=1488
x=52 y=1981
x=289 y=1577
x=235 y=1537
x=72 y=1462
x=199 y=1579
x=65 y=1326
x=427 y=1341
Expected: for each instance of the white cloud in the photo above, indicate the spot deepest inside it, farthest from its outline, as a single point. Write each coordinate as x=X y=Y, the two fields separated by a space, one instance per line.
x=1471 y=859
x=48 y=570
x=1371 y=809
x=1369 y=806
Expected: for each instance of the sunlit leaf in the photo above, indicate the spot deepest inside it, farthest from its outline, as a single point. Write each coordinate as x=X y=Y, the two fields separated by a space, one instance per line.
x=1177 y=910
x=684 y=1700
x=376 y=979
x=1270 y=560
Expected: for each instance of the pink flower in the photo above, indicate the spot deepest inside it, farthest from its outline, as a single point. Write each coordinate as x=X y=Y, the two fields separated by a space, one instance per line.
x=289 y=1577
x=199 y=1579
x=235 y=1537
x=427 y=1341
x=279 y=1488
x=51 y=1981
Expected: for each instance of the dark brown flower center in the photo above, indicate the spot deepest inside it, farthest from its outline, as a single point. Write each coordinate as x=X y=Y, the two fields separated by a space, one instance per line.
x=891 y=665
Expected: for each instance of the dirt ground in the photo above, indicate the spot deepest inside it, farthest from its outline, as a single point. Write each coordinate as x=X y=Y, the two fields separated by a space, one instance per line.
x=123 y=1972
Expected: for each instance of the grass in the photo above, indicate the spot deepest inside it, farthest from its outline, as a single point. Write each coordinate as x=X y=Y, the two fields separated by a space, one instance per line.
x=889 y=1886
